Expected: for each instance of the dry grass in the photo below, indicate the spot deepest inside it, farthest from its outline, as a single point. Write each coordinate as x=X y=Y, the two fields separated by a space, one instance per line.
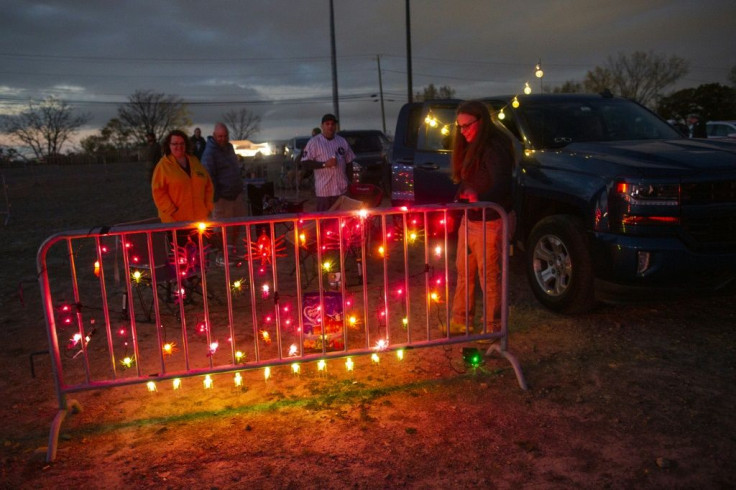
x=628 y=396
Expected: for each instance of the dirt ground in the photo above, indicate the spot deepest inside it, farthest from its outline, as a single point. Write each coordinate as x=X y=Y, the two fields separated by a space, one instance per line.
x=627 y=396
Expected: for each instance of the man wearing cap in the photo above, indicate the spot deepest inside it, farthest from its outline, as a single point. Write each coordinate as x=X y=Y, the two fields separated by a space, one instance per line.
x=330 y=156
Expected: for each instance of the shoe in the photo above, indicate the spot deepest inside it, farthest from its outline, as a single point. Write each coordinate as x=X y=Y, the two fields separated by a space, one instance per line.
x=456 y=328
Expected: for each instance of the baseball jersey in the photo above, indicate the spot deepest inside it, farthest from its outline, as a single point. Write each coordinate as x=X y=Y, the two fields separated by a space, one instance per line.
x=329 y=181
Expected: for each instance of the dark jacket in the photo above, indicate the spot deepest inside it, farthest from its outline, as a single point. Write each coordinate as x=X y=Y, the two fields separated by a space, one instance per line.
x=490 y=181
x=224 y=168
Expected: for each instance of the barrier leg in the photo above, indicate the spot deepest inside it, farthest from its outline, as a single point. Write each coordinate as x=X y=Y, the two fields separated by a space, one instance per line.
x=73 y=407
x=514 y=363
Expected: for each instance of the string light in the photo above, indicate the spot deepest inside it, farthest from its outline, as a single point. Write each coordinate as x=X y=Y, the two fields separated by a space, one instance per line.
x=176 y=383
x=295 y=368
x=208 y=383
x=375 y=359
x=239 y=356
x=151 y=386
x=238 y=380
x=349 y=364
x=321 y=365
x=400 y=354
x=267 y=373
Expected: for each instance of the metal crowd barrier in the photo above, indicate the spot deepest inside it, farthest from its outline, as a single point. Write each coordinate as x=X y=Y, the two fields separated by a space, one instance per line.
x=147 y=302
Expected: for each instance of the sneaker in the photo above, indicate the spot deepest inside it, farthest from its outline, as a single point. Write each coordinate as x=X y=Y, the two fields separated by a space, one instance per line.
x=456 y=328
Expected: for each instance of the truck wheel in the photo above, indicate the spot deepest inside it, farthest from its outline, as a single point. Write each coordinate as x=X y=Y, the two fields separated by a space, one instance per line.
x=558 y=265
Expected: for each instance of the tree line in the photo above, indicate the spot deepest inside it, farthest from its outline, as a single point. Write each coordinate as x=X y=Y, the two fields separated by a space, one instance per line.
x=46 y=126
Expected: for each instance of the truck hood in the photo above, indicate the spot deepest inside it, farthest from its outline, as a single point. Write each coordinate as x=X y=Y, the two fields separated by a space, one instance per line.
x=682 y=156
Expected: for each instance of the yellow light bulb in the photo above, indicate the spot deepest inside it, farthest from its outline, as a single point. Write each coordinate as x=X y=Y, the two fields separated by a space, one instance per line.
x=238 y=380
x=349 y=364
x=208 y=383
x=151 y=386
x=176 y=382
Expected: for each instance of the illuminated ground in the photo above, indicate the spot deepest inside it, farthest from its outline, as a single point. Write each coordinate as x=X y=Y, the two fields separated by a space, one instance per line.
x=634 y=396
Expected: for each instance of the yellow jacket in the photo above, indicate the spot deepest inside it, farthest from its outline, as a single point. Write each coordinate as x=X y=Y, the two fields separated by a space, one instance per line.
x=179 y=197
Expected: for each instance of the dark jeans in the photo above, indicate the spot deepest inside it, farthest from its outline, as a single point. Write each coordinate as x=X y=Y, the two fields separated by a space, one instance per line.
x=325 y=203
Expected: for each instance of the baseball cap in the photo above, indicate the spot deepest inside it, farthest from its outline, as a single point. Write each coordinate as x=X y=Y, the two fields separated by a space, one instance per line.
x=329 y=117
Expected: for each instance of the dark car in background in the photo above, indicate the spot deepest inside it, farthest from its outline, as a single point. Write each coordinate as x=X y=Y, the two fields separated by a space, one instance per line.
x=608 y=197
x=371 y=148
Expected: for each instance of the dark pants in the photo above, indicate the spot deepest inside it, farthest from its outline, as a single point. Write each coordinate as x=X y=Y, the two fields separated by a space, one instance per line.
x=325 y=203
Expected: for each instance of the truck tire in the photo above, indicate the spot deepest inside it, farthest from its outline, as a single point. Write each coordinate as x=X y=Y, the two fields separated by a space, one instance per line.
x=558 y=265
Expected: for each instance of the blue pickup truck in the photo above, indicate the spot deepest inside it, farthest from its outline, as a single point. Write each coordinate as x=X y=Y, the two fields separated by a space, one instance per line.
x=609 y=198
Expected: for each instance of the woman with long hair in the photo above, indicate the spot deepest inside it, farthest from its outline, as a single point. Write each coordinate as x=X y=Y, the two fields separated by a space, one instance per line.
x=482 y=163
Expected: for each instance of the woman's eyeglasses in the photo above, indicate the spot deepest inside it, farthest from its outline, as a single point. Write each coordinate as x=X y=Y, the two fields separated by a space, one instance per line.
x=463 y=127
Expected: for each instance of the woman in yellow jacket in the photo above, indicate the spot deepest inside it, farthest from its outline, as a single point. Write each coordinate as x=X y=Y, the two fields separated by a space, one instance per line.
x=182 y=188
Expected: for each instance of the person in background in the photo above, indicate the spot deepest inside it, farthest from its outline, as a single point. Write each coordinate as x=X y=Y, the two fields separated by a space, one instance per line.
x=153 y=153
x=482 y=163
x=224 y=167
x=697 y=126
x=198 y=143
x=330 y=157
x=181 y=187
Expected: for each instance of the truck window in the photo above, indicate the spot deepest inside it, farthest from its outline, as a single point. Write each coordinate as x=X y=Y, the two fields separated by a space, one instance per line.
x=436 y=129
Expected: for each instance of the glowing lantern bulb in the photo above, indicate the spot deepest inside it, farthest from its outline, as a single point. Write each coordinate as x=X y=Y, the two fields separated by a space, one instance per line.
x=239 y=355
x=176 y=383
x=97 y=268
x=201 y=226
x=267 y=373
x=400 y=354
x=434 y=296
x=412 y=236
x=151 y=386
x=293 y=350
x=352 y=320
x=438 y=250
x=137 y=276
x=327 y=266
x=375 y=358
x=382 y=251
x=238 y=379
x=127 y=362
x=295 y=368
x=349 y=364
x=168 y=348
x=405 y=321
x=208 y=383
x=266 y=290
x=381 y=344
x=321 y=365
x=237 y=285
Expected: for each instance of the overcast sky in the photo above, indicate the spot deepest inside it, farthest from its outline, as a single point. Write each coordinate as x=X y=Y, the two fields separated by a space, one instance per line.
x=273 y=56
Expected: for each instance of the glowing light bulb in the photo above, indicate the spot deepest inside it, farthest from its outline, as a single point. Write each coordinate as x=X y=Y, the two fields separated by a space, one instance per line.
x=321 y=365
x=375 y=359
x=352 y=320
x=239 y=356
x=363 y=213
x=438 y=250
x=327 y=266
x=267 y=373
x=151 y=386
x=295 y=368
x=201 y=226
x=237 y=284
x=349 y=364
x=238 y=379
x=208 y=383
x=97 y=268
x=293 y=350
x=127 y=362
x=501 y=115
x=400 y=354
x=266 y=336
x=266 y=290
x=405 y=321
x=381 y=251
x=168 y=348
x=381 y=344
x=434 y=296
x=176 y=383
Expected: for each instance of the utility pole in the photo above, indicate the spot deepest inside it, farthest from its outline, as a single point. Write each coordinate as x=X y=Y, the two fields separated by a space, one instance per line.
x=335 y=103
x=410 y=88
x=380 y=91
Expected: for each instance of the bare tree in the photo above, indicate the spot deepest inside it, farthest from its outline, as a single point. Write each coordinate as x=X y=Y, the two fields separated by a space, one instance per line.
x=152 y=112
x=639 y=76
x=242 y=123
x=44 y=127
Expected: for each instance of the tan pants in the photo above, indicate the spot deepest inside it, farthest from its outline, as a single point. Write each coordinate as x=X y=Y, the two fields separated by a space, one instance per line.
x=490 y=283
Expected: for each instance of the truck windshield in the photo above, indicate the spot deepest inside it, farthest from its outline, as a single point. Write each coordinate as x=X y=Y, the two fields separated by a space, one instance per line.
x=557 y=123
